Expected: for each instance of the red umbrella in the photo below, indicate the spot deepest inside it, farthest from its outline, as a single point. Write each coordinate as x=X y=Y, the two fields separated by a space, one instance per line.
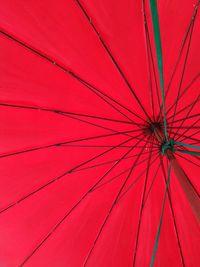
x=100 y=131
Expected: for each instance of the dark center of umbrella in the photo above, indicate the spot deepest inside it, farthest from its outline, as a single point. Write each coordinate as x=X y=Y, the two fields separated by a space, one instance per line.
x=152 y=127
x=155 y=129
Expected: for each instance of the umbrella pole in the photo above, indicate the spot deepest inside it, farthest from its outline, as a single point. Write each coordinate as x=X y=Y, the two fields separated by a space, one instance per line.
x=187 y=187
x=182 y=177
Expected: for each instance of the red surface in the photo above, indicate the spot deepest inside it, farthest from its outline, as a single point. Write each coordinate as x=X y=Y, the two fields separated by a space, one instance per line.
x=62 y=33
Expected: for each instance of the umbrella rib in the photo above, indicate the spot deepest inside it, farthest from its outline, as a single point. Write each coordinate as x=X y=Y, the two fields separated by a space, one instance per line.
x=133 y=183
x=66 y=173
x=184 y=91
x=83 y=169
x=125 y=134
x=196 y=157
x=97 y=165
x=189 y=136
x=108 y=162
x=141 y=208
x=110 y=180
x=181 y=48
x=97 y=117
x=185 y=137
x=183 y=72
x=150 y=59
x=185 y=120
x=101 y=146
x=112 y=57
x=186 y=127
x=195 y=143
x=172 y=211
x=189 y=117
x=187 y=159
x=131 y=122
x=186 y=117
x=147 y=45
x=110 y=211
x=61 y=143
x=75 y=76
x=161 y=219
x=113 y=178
x=151 y=185
x=186 y=107
x=154 y=144
x=93 y=124
x=55 y=227
x=154 y=72
x=159 y=58
x=61 y=112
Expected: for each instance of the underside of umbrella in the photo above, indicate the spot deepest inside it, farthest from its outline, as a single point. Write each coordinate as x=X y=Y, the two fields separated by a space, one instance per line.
x=100 y=133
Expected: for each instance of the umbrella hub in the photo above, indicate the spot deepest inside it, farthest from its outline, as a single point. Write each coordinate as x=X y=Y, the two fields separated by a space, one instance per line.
x=167 y=148
x=168 y=145
x=152 y=127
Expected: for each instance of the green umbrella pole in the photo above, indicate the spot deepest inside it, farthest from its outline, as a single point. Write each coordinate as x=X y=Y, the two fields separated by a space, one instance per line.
x=182 y=177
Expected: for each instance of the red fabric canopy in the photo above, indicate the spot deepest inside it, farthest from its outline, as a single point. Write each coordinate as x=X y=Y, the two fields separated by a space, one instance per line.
x=82 y=172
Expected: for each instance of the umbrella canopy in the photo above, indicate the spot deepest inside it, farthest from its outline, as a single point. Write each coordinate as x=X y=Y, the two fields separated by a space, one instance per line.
x=100 y=132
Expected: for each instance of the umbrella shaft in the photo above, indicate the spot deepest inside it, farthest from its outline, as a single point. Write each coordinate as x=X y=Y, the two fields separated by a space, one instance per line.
x=182 y=177
x=187 y=187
